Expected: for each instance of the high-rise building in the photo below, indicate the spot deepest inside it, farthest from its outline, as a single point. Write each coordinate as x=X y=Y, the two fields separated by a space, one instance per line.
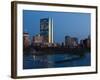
x=71 y=42
x=87 y=43
x=46 y=29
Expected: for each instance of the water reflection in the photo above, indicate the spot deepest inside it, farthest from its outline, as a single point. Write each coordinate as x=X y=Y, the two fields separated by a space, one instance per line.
x=55 y=60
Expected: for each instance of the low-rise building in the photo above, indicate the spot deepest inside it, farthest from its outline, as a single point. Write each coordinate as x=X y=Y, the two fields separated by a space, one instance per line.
x=38 y=39
x=26 y=40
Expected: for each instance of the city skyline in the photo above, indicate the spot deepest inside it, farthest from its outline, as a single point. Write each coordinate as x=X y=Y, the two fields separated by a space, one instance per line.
x=31 y=23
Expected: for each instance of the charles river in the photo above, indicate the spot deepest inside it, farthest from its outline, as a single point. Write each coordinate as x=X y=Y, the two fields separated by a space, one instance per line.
x=56 y=60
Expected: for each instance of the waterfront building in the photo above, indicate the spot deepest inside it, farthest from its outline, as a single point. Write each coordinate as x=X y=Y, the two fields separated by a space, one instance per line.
x=67 y=39
x=46 y=29
x=33 y=41
x=89 y=42
x=62 y=44
x=38 y=39
x=86 y=43
x=26 y=40
x=71 y=42
x=81 y=44
x=75 y=41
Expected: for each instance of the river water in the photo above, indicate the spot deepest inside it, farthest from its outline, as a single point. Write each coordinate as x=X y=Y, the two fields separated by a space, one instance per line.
x=55 y=60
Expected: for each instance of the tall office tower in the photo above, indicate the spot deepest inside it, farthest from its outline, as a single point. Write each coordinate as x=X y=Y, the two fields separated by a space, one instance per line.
x=46 y=29
x=71 y=42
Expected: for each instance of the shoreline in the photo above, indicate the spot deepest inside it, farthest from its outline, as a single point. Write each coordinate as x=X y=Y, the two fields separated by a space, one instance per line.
x=58 y=50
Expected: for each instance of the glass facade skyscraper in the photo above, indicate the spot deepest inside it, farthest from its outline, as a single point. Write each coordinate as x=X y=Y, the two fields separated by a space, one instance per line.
x=46 y=29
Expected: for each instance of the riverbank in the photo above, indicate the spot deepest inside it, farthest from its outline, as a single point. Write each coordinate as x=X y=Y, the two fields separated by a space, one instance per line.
x=53 y=50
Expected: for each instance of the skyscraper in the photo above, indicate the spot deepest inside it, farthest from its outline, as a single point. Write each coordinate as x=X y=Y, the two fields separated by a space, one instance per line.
x=71 y=42
x=46 y=29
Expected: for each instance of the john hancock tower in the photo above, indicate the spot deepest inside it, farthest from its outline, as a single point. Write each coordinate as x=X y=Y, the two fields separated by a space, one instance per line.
x=46 y=29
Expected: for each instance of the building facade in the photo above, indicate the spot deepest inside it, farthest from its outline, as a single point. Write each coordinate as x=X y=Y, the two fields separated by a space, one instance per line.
x=71 y=42
x=46 y=29
x=38 y=39
x=26 y=40
x=86 y=43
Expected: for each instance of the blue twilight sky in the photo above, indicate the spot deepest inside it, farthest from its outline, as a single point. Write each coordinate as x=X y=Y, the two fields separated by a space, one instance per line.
x=65 y=23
